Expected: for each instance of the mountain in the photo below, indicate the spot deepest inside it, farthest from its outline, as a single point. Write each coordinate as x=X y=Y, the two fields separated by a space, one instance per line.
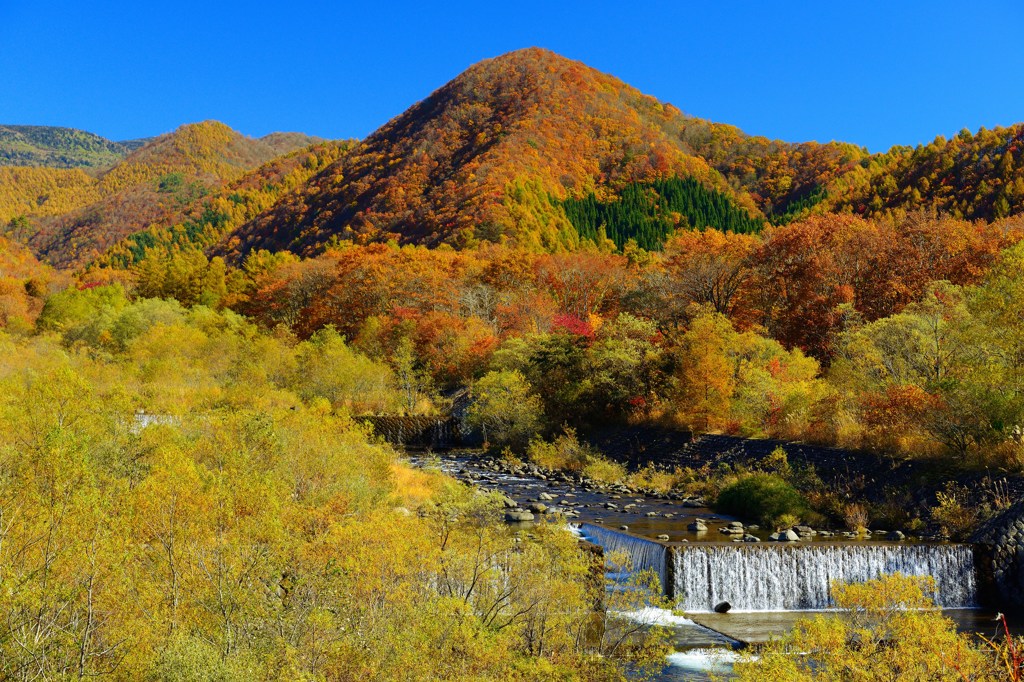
x=57 y=148
x=489 y=157
x=70 y=219
x=977 y=176
x=544 y=151
x=132 y=145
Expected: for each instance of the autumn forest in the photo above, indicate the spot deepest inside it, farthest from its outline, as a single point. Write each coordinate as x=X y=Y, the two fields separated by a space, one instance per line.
x=193 y=325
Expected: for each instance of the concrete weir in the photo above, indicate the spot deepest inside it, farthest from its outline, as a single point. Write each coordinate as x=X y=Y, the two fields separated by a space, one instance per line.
x=770 y=577
x=799 y=577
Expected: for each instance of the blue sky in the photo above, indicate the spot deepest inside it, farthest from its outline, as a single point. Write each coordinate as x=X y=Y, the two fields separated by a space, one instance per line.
x=871 y=73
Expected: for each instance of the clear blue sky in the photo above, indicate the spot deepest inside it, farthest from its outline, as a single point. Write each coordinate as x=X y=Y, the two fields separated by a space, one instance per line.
x=872 y=73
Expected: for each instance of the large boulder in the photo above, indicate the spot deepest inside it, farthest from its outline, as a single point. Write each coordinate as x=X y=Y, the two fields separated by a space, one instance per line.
x=785 y=536
x=518 y=516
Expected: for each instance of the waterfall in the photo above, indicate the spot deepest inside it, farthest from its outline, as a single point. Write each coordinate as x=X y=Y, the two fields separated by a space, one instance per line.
x=784 y=578
x=643 y=554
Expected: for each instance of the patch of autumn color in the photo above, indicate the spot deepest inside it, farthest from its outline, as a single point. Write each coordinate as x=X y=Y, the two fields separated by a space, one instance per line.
x=570 y=324
x=414 y=486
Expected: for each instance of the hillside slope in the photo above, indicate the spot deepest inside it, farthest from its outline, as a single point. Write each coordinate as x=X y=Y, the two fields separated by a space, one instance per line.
x=976 y=176
x=210 y=218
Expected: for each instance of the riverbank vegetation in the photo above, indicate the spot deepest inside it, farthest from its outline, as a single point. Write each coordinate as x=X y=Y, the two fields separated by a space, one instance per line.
x=895 y=337
x=891 y=337
x=184 y=497
x=885 y=629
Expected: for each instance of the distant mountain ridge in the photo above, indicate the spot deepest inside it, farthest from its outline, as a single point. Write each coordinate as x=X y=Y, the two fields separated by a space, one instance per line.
x=54 y=147
x=70 y=218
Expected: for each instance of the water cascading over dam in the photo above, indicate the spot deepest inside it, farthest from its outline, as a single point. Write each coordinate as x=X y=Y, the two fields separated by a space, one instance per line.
x=643 y=554
x=790 y=577
x=799 y=577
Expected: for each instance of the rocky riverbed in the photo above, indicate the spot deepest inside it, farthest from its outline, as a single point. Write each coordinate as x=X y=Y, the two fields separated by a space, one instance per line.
x=532 y=493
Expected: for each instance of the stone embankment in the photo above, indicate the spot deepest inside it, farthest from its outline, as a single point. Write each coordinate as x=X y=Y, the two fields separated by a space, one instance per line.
x=1001 y=566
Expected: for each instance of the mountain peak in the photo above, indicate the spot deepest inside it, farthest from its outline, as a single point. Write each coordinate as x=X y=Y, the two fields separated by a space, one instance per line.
x=488 y=156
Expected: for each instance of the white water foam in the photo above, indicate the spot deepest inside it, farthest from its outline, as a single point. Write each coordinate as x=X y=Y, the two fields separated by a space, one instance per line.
x=716 y=660
x=654 y=616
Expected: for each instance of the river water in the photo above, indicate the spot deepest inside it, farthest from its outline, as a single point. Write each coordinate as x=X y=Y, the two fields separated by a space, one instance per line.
x=768 y=584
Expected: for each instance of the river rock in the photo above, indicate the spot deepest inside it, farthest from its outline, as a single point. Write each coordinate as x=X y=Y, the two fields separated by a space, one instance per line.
x=896 y=535
x=663 y=537
x=698 y=526
x=508 y=502
x=545 y=497
x=751 y=538
x=538 y=507
x=517 y=515
x=623 y=527
x=785 y=536
x=805 y=530
x=723 y=607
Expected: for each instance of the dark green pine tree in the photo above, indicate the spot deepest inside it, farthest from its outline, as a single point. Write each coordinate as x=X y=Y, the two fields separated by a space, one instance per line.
x=648 y=213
